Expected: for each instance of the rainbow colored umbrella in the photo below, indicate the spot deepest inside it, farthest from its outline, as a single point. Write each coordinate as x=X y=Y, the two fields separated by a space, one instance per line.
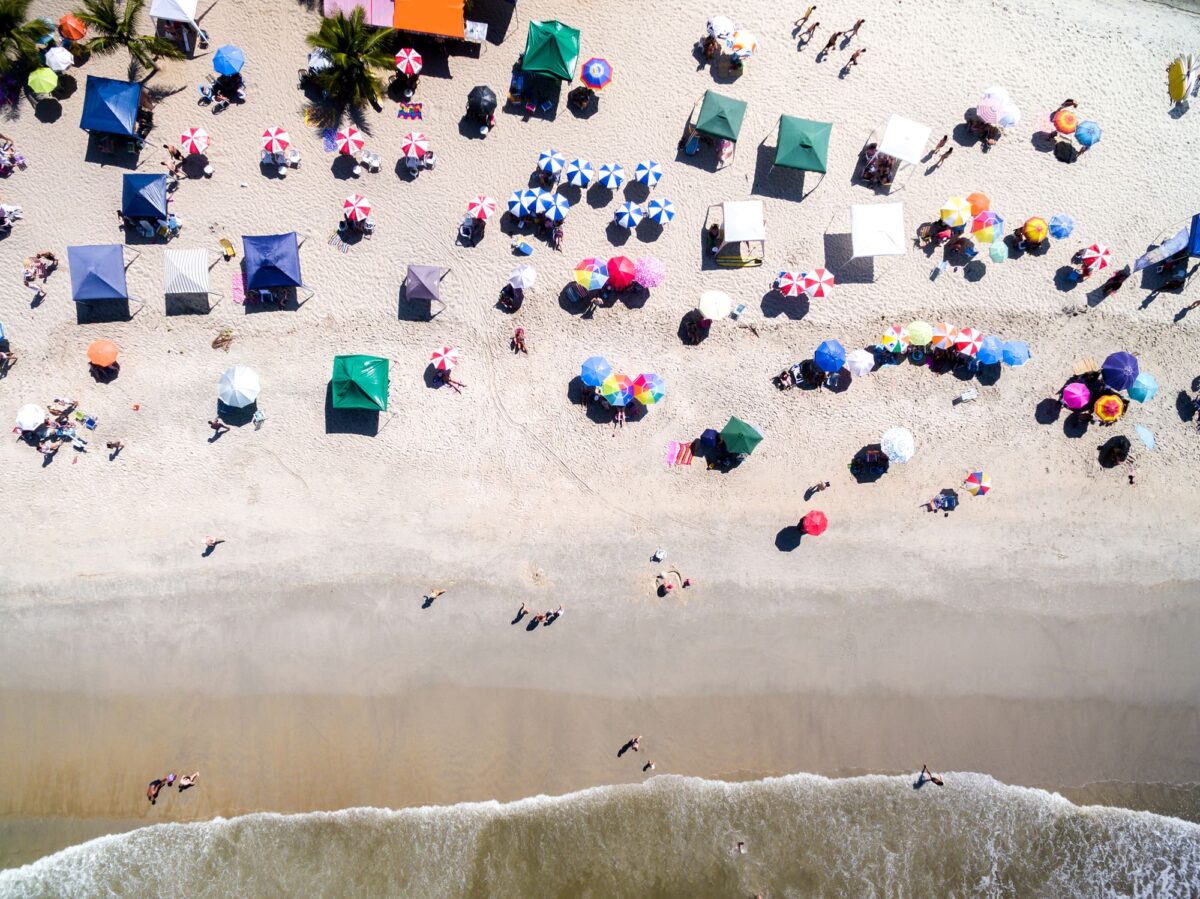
x=894 y=339
x=1035 y=229
x=596 y=73
x=978 y=483
x=620 y=272
x=594 y=370
x=956 y=211
x=1065 y=121
x=617 y=389
x=591 y=274
x=1109 y=408
x=1076 y=396
x=987 y=226
x=648 y=389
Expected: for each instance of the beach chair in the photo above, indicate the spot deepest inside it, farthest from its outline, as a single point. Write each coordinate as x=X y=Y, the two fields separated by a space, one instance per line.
x=1085 y=367
x=293 y=157
x=227 y=249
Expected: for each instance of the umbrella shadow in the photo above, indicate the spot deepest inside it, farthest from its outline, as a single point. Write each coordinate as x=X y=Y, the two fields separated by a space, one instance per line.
x=789 y=538
x=1185 y=406
x=691 y=331
x=343 y=167
x=1064 y=280
x=775 y=304
x=1076 y=424
x=598 y=196
x=869 y=464
x=1048 y=411
x=236 y=416
x=648 y=230
x=48 y=111
x=570 y=300
x=617 y=235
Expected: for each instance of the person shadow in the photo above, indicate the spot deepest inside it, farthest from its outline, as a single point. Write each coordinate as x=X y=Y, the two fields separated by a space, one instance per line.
x=209 y=550
x=216 y=436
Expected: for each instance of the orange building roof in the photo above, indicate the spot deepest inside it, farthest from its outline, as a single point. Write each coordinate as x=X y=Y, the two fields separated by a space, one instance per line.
x=443 y=17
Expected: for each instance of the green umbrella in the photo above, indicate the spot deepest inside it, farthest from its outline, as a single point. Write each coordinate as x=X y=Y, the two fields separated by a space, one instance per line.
x=740 y=437
x=720 y=116
x=360 y=382
x=43 y=80
x=551 y=49
x=802 y=144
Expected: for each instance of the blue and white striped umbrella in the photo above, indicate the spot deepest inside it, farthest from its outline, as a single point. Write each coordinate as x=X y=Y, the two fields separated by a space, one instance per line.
x=542 y=200
x=558 y=207
x=629 y=214
x=648 y=173
x=660 y=211
x=520 y=202
x=551 y=161
x=579 y=172
x=611 y=176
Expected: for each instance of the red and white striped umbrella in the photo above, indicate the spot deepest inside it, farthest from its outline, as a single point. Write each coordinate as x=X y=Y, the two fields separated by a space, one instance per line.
x=356 y=207
x=791 y=284
x=275 y=140
x=481 y=208
x=444 y=358
x=414 y=145
x=968 y=341
x=818 y=283
x=194 y=140
x=350 y=141
x=409 y=61
x=1096 y=257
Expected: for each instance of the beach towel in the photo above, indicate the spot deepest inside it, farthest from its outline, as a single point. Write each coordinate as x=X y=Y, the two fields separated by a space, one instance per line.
x=237 y=288
x=410 y=111
x=679 y=453
x=335 y=241
x=329 y=139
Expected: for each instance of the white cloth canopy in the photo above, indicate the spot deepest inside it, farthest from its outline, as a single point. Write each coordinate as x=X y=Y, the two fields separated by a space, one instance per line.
x=185 y=271
x=877 y=230
x=239 y=387
x=715 y=305
x=30 y=417
x=743 y=221
x=175 y=11
x=898 y=444
x=904 y=139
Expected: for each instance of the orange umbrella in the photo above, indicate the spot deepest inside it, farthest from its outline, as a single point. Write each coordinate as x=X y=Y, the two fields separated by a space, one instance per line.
x=71 y=28
x=102 y=353
x=1109 y=408
x=1036 y=229
x=979 y=203
x=1065 y=121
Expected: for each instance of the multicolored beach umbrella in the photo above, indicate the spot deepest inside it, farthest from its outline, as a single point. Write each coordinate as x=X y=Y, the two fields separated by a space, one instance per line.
x=648 y=173
x=790 y=284
x=1109 y=408
x=349 y=141
x=409 y=62
x=356 y=207
x=1096 y=257
x=444 y=358
x=1065 y=121
x=579 y=172
x=978 y=483
x=611 y=176
x=629 y=215
x=894 y=339
x=596 y=73
x=275 y=140
x=594 y=370
x=481 y=208
x=1061 y=225
x=194 y=140
x=660 y=211
x=988 y=227
x=968 y=341
x=944 y=335
x=558 y=208
x=414 y=145
x=818 y=283
x=956 y=211
x=648 y=389
x=617 y=389
x=551 y=162
x=591 y=274
x=830 y=356
x=1035 y=229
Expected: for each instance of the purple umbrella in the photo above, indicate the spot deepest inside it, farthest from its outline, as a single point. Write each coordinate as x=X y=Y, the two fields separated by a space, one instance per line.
x=1120 y=370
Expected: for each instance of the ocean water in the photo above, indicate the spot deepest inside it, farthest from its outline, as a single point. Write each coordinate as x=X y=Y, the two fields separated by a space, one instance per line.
x=804 y=835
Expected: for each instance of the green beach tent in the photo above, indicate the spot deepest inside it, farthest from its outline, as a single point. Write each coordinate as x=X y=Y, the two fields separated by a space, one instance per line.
x=360 y=382
x=739 y=437
x=802 y=144
x=720 y=116
x=552 y=49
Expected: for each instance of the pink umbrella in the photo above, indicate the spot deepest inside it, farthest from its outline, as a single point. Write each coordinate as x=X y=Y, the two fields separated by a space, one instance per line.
x=194 y=140
x=1096 y=257
x=1076 y=396
x=790 y=284
x=481 y=208
x=275 y=140
x=409 y=61
x=350 y=141
x=356 y=207
x=414 y=145
x=968 y=341
x=818 y=283
x=990 y=110
x=444 y=358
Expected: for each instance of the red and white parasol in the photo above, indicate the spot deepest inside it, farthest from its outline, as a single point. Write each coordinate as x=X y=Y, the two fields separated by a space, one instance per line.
x=818 y=283
x=968 y=341
x=791 y=284
x=409 y=61
x=444 y=358
x=350 y=141
x=414 y=145
x=481 y=208
x=275 y=140
x=1096 y=257
x=194 y=140
x=356 y=207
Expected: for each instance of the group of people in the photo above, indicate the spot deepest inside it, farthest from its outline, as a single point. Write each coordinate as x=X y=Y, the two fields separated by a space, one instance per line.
x=56 y=430
x=183 y=783
x=634 y=744
x=544 y=618
x=10 y=158
x=225 y=89
x=38 y=268
x=804 y=374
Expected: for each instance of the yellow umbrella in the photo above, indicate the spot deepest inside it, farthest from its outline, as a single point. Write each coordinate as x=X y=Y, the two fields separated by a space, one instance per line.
x=43 y=80
x=920 y=333
x=956 y=211
x=1036 y=229
x=1109 y=408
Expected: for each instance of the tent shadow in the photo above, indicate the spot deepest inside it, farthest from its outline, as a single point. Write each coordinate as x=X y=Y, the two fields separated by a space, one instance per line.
x=413 y=310
x=363 y=422
x=119 y=158
x=187 y=304
x=778 y=183
x=788 y=538
x=497 y=14
x=102 y=312
x=775 y=304
x=839 y=251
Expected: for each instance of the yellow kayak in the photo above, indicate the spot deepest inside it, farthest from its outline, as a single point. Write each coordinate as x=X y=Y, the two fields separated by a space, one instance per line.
x=1177 y=81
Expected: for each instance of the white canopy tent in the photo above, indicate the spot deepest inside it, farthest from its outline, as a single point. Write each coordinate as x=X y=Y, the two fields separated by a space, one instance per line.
x=743 y=220
x=904 y=139
x=185 y=271
x=163 y=12
x=877 y=230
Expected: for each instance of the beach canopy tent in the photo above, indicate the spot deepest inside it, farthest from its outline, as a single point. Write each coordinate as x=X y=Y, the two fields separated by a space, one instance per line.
x=551 y=49
x=441 y=17
x=110 y=106
x=739 y=437
x=424 y=282
x=360 y=382
x=97 y=272
x=175 y=11
x=743 y=234
x=272 y=260
x=144 y=196
x=877 y=230
x=720 y=116
x=378 y=13
x=802 y=144
x=1194 y=240
x=904 y=139
x=185 y=271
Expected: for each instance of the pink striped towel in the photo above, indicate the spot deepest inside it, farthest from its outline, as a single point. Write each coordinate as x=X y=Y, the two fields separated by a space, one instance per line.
x=237 y=288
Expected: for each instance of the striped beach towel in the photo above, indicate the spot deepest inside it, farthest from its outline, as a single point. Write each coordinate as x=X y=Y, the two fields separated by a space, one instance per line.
x=335 y=241
x=410 y=111
x=237 y=288
x=679 y=453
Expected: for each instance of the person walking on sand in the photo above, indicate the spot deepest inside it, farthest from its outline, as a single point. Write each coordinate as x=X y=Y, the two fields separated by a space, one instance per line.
x=153 y=790
x=853 y=32
x=926 y=774
x=210 y=544
x=551 y=617
x=938 y=146
x=188 y=781
x=518 y=341
x=633 y=743
x=115 y=447
x=219 y=427
x=830 y=44
x=432 y=595
x=853 y=61
x=807 y=34
x=804 y=18
x=946 y=155
x=649 y=766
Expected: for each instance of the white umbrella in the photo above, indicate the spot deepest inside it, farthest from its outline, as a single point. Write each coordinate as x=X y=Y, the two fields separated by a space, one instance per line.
x=59 y=59
x=721 y=27
x=860 y=362
x=715 y=305
x=30 y=417
x=239 y=387
x=522 y=276
x=898 y=444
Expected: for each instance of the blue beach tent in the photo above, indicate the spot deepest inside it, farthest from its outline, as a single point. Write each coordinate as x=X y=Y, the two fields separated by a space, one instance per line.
x=272 y=260
x=97 y=272
x=144 y=196
x=110 y=106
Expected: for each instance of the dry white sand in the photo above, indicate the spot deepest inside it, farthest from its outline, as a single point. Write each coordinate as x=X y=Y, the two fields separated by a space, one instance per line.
x=509 y=493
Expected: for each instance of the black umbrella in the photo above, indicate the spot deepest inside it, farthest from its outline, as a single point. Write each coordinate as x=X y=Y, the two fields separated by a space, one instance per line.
x=1064 y=151
x=481 y=102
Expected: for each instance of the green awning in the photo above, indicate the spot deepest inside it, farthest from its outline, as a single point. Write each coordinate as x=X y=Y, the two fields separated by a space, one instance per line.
x=802 y=144
x=360 y=382
x=740 y=437
x=552 y=49
x=720 y=116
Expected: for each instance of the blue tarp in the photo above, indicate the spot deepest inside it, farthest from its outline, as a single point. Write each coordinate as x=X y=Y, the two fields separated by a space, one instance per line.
x=272 y=260
x=144 y=196
x=110 y=106
x=1194 y=243
x=97 y=272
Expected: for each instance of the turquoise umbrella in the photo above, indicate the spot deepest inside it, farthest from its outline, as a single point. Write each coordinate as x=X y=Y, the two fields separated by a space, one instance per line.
x=1144 y=388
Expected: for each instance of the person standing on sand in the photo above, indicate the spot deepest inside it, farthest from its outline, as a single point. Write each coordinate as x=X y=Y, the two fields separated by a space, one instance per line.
x=432 y=595
x=210 y=544
x=943 y=158
x=633 y=743
x=649 y=766
x=854 y=56
x=152 y=791
x=940 y=144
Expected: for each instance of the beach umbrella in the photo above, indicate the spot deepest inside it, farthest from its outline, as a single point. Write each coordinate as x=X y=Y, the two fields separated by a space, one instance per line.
x=894 y=339
x=721 y=27
x=790 y=284
x=648 y=173
x=998 y=251
x=194 y=140
x=991 y=351
x=1076 y=396
x=72 y=28
x=1035 y=229
x=648 y=389
x=617 y=389
x=1120 y=370
x=898 y=444
x=591 y=274
x=59 y=59
x=649 y=272
x=979 y=203
x=30 y=417
x=551 y=162
x=481 y=101
x=715 y=305
x=740 y=437
x=989 y=109
x=830 y=356
x=988 y=227
x=356 y=207
x=414 y=145
x=238 y=387
x=1010 y=116
x=228 y=60
x=579 y=172
x=594 y=370
x=43 y=80
x=481 y=208
x=978 y=483
x=1096 y=257
x=444 y=358
x=1065 y=121
x=944 y=335
x=1015 y=353
x=1145 y=434
x=275 y=140
x=1144 y=388
x=814 y=523
x=620 y=272
x=611 y=176
x=409 y=62
x=956 y=211
x=860 y=362
x=660 y=211
x=542 y=200
x=818 y=283
x=516 y=203
x=349 y=141
x=522 y=277
x=968 y=341
x=558 y=207
x=1087 y=133
x=1061 y=225
x=919 y=333
x=742 y=43
x=596 y=73
x=628 y=215
x=102 y=353
x=1109 y=408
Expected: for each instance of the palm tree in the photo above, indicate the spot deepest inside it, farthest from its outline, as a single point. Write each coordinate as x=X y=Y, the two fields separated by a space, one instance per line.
x=355 y=50
x=116 y=28
x=18 y=36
